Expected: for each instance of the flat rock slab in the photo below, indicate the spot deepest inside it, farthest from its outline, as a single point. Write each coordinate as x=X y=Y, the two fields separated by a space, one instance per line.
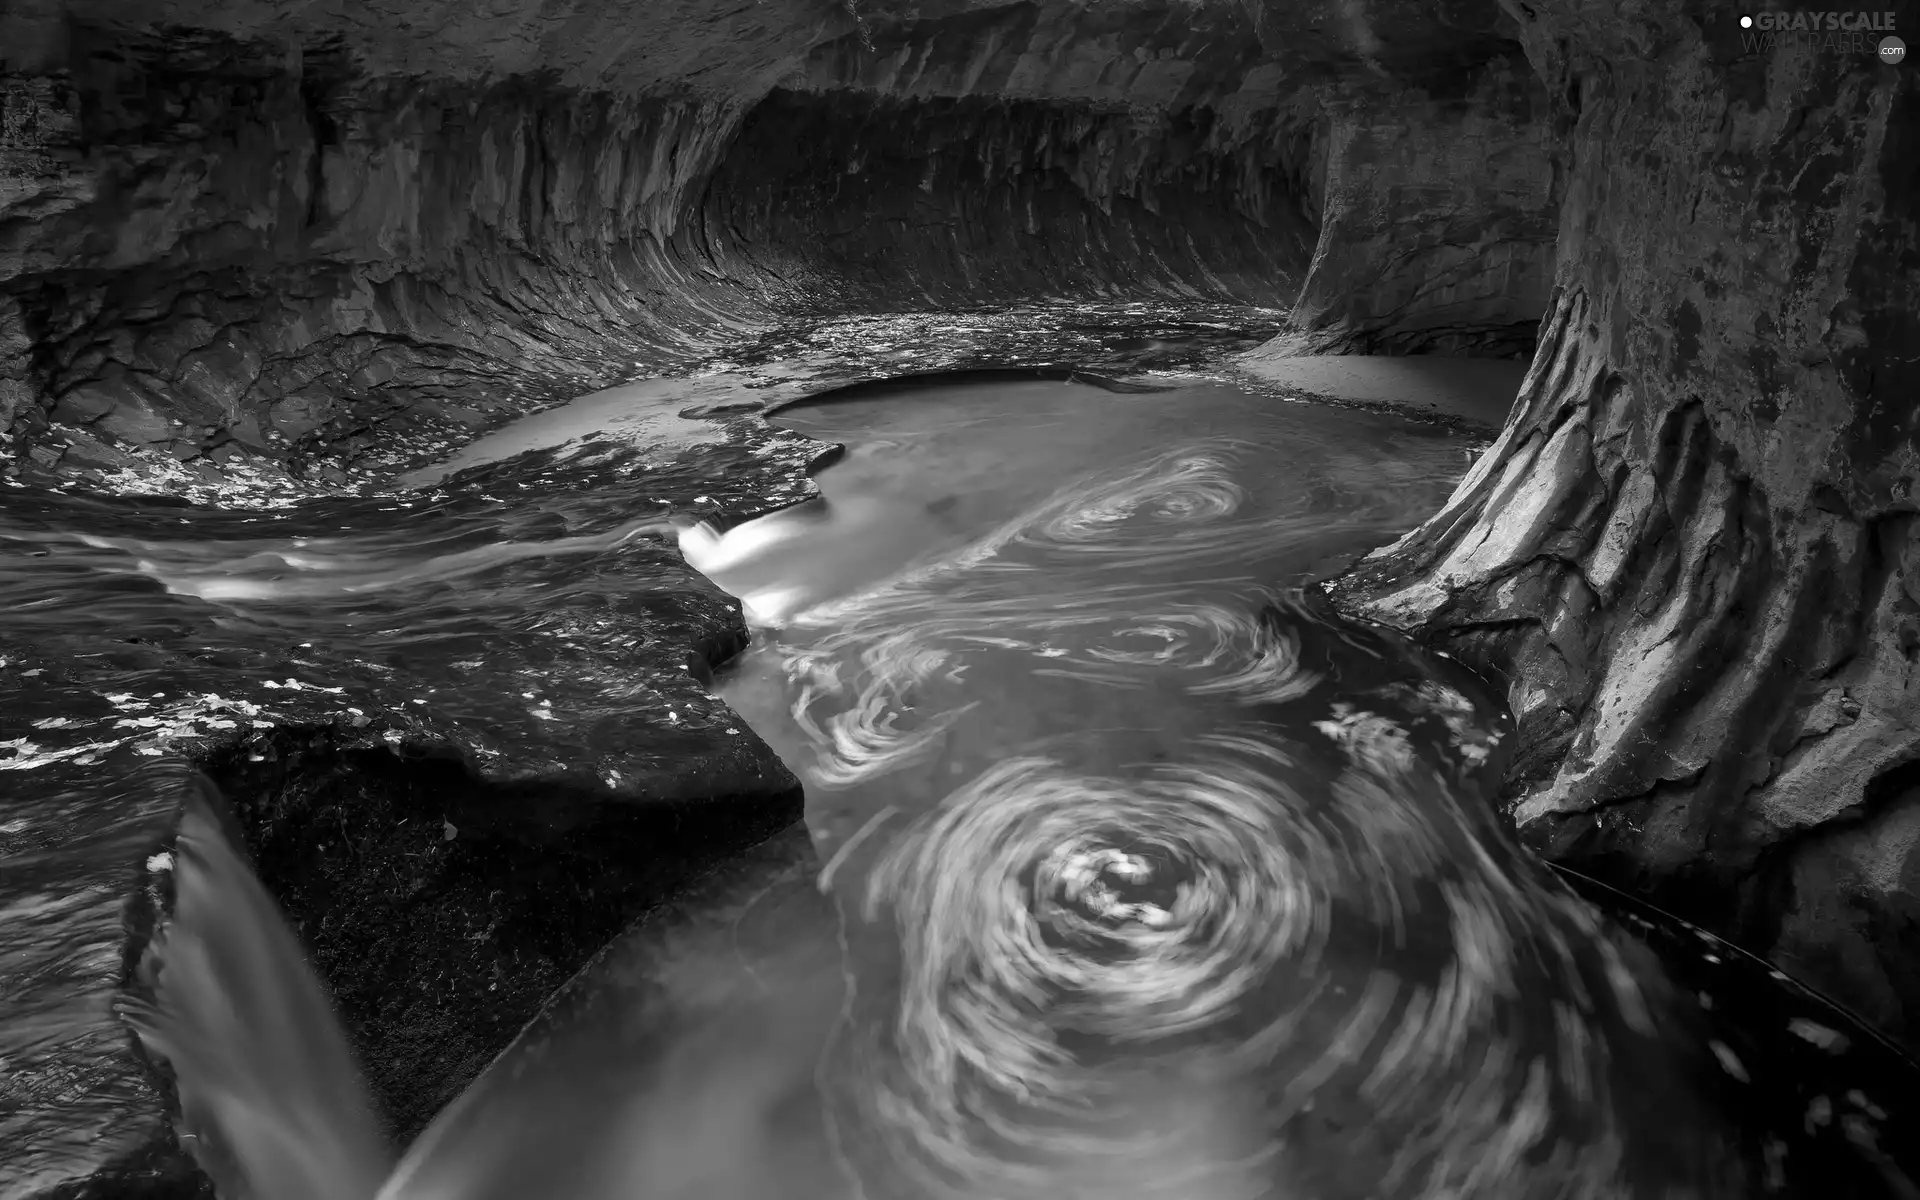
x=440 y=719
x=1478 y=390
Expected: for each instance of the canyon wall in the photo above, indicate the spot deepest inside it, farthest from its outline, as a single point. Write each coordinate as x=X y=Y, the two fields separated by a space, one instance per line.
x=325 y=237
x=307 y=244
x=1439 y=228
x=322 y=242
x=1693 y=551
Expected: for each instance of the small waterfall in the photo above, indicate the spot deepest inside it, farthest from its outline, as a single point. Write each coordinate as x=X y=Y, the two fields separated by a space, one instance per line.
x=273 y=1105
x=677 y=1066
x=1126 y=871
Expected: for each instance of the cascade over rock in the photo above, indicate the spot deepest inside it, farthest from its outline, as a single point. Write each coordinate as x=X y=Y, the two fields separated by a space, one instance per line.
x=307 y=246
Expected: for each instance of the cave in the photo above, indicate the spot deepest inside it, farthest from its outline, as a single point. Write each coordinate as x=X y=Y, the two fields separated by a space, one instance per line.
x=324 y=328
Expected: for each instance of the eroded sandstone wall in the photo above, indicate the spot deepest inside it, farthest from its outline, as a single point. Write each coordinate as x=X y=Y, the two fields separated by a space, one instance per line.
x=1440 y=223
x=321 y=240
x=1693 y=551
x=944 y=203
x=225 y=250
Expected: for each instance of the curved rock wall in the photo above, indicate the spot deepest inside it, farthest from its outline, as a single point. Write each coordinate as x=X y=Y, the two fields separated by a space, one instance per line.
x=946 y=203
x=313 y=253
x=275 y=233
x=314 y=232
x=311 y=233
x=319 y=242
x=1440 y=224
x=1693 y=551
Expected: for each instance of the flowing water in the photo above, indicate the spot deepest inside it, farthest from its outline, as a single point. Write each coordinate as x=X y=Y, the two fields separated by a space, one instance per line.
x=1129 y=870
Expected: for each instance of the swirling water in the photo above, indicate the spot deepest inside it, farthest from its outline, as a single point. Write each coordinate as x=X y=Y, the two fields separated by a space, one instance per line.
x=1158 y=881
x=1128 y=870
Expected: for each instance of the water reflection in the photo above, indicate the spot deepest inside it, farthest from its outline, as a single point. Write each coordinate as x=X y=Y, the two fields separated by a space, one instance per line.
x=1128 y=869
x=680 y=1066
x=1159 y=882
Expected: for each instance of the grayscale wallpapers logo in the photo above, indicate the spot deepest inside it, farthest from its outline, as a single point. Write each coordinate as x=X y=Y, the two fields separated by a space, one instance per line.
x=1869 y=34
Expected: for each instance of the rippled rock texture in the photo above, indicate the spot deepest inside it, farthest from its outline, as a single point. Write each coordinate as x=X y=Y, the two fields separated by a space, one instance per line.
x=459 y=792
x=1693 y=552
x=297 y=247
x=258 y=240
x=272 y=250
x=1439 y=225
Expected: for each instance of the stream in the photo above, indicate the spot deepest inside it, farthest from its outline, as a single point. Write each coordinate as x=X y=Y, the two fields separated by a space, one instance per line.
x=1129 y=869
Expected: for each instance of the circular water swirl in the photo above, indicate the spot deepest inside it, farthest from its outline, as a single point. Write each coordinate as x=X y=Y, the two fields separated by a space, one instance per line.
x=1075 y=948
x=1149 y=987
x=1054 y=925
x=885 y=643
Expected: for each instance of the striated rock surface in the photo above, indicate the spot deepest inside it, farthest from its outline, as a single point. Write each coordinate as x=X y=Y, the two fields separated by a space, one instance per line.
x=1693 y=552
x=266 y=251
x=270 y=241
x=278 y=249
x=1438 y=226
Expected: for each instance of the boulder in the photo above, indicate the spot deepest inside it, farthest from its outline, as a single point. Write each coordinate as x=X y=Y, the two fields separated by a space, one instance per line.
x=117 y=405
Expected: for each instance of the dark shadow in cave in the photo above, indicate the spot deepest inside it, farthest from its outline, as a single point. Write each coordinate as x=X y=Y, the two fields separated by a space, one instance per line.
x=442 y=911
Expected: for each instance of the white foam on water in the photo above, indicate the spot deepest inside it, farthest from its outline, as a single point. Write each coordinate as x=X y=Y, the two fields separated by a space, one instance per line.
x=273 y=1104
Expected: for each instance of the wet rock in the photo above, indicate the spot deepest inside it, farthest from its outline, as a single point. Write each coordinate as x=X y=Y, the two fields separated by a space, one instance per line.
x=763 y=943
x=441 y=930
x=1698 y=530
x=1437 y=224
x=246 y=430
x=136 y=418
x=90 y=402
x=162 y=350
x=1844 y=899
x=120 y=406
x=15 y=395
x=220 y=374
x=86 y=450
x=1693 y=554
x=86 y=1116
x=16 y=389
x=573 y=811
x=1029 y=171
x=344 y=220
